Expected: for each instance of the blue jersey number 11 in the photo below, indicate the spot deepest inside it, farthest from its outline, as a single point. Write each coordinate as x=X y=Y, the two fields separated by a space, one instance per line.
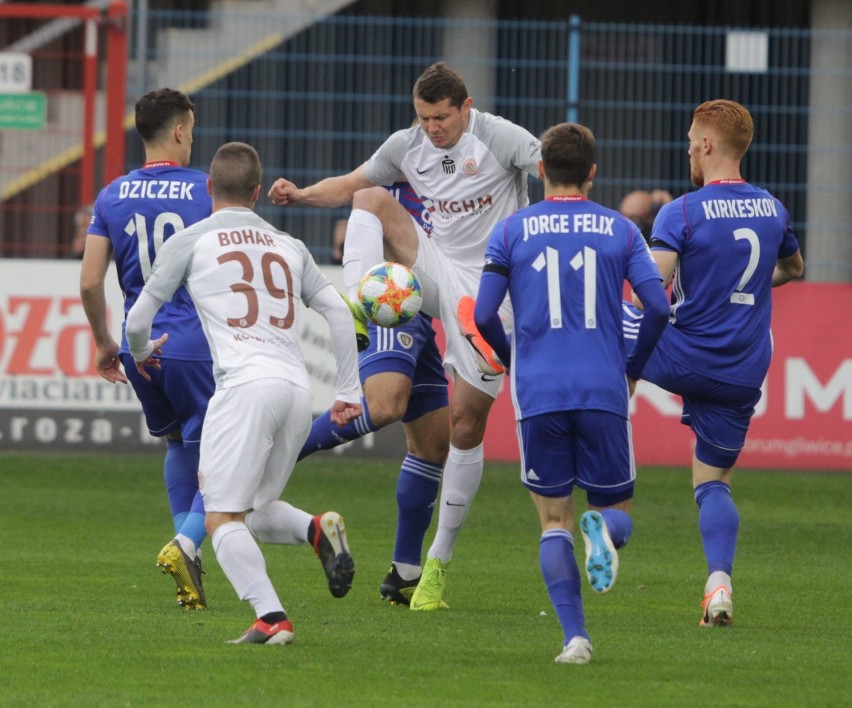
x=585 y=259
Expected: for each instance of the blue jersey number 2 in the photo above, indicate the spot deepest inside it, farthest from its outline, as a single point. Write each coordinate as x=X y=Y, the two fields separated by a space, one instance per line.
x=738 y=297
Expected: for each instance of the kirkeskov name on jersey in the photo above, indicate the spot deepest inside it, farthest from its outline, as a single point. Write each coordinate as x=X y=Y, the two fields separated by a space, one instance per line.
x=738 y=208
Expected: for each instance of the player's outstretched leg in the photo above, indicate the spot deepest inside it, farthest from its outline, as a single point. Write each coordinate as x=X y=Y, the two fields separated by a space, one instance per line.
x=325 y=435
x=187 y=574
x=601 y=556
x=328 y=537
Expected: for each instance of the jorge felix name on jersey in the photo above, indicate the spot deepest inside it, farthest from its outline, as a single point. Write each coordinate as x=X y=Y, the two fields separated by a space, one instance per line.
x=155 y=189
x=568 y=223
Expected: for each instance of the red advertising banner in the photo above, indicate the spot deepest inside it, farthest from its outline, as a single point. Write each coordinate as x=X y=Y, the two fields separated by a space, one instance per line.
x=803 y=421
x=51 y=398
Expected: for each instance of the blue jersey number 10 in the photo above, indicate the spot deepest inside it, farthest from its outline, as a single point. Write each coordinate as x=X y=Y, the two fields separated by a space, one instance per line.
x=138 y=227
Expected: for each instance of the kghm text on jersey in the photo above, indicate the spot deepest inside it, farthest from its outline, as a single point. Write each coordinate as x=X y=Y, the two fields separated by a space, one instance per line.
x=568 y=223
x=244 y=236
x=459 y=206
x=738 y=208
x=155 y=189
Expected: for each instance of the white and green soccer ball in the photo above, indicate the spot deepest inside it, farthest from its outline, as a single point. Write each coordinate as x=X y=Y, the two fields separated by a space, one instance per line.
x=391 y=294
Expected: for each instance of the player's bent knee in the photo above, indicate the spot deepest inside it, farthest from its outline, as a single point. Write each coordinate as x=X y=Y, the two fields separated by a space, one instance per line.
x=386 y=410
x=434 y=451
x=371 y=199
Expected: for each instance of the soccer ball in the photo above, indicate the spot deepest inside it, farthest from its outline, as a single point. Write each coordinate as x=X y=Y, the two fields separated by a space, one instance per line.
x=391 y=294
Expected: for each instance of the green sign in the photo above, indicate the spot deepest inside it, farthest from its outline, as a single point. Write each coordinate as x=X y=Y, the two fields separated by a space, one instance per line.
x=23 y=111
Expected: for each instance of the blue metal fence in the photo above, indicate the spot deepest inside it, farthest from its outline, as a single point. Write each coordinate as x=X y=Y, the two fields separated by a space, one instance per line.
x=319 y=102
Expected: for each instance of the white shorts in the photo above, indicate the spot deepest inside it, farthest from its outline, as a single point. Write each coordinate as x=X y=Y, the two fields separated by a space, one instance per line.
x=444 y=282
x=251 y=438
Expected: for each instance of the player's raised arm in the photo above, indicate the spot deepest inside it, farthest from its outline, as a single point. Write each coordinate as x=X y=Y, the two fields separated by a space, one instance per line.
x=328 y=193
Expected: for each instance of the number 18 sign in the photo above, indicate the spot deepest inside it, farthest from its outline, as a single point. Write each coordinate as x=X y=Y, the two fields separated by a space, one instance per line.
x=16 y=72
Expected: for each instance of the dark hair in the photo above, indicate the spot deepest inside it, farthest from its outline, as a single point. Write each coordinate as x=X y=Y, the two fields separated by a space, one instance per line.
x=568 y=153
x=439 y=82
x=158 y=110
x=235 y=173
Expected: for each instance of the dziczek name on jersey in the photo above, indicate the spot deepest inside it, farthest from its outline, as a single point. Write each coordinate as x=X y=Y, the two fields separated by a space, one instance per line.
x=568 y=223
x=155 y=189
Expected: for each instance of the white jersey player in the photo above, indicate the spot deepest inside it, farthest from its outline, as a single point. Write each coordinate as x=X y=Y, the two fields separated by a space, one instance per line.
x=470 y=170
x=246 y=279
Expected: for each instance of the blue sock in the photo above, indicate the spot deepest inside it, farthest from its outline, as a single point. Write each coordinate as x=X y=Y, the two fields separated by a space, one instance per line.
x=192 y=525
x=325 y=435
x=180 y=471
x=416 y=490
x=718 y=521
x=562 y=578
x=619 y=524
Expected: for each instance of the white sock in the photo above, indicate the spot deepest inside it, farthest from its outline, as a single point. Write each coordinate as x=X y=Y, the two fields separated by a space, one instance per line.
x=243 y=564
x=187 y=544
x=462 y=475
x=279 y=522
x=717 y=578
x=407 y=571
x=362 y=249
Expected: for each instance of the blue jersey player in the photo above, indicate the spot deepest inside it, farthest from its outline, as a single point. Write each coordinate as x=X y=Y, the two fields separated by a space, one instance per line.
x=132 y=218
x=403 y=379
x=724 y=247
x=563 y=262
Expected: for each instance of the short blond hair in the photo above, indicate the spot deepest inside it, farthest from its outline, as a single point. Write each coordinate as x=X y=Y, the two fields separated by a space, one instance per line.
x=235 y=172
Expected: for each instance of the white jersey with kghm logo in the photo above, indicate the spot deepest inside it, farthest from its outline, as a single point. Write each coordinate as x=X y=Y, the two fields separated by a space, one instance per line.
x=466 y=189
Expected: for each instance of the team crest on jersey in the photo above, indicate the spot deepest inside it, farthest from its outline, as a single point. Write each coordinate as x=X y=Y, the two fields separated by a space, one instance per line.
x=469 y=167
x=406 y=341
x=449 y=165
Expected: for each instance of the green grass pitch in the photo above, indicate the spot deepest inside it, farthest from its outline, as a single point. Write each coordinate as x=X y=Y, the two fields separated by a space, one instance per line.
x=88 y=620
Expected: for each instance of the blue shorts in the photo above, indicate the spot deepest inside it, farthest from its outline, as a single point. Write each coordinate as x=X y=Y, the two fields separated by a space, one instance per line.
x=176 y=396
x=410 y=350
x=718 y=413
x=592 y=449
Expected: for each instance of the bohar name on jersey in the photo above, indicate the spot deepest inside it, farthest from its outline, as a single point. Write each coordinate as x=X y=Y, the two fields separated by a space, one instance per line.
x=155 y=189
x=568 y=223
x=244 y=236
